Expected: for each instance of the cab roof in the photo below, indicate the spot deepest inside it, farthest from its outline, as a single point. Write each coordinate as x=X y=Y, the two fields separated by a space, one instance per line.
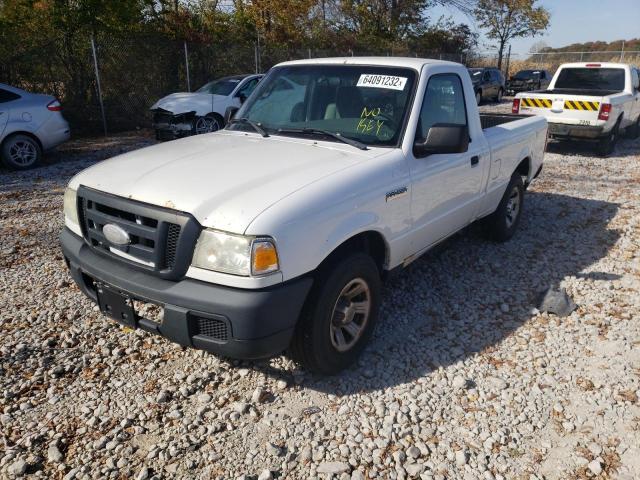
x=407 y=62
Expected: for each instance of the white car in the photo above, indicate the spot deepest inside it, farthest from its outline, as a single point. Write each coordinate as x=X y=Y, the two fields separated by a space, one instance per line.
x=588 y=101
x=276 y=233
x=30 y=124
x=191 y=113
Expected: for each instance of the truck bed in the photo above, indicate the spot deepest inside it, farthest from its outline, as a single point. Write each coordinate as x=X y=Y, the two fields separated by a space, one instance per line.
x=488 y=120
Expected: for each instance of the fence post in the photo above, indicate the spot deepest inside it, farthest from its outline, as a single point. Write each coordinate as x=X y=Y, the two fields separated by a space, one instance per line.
x=622 y=53
x=506 y=74
x=309 y=53
x=186 y=63
x=95 y=64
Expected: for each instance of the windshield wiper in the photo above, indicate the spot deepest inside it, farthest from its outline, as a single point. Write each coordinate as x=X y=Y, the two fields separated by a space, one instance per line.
x=254 y=125
x=319 y=131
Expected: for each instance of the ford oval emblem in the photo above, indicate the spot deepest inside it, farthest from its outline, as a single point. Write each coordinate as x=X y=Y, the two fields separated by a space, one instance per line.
x=115 y=234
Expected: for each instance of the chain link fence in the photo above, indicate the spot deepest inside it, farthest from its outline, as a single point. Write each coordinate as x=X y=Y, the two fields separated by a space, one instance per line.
x=111 y=87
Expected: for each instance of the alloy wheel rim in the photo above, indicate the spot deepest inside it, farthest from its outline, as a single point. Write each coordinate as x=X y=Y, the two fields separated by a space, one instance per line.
x=23 y=153
x=513 y=207
x=206 y=125
x=350 y=315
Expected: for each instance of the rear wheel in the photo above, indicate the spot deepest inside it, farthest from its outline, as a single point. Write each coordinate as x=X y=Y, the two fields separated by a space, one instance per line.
x=500 y=95
x=478 y=97
x=339 y=317
x=20 y=152
x=607 y=145
x=503 y=223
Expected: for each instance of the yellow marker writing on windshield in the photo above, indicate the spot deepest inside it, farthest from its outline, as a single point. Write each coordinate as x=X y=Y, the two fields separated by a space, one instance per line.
x=367 y=124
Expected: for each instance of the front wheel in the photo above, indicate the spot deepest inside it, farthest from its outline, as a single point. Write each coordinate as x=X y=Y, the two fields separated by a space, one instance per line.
x=339 y=317
x=20 y=152
x=500 y=95
x=478 y=97
x=503 y=223
x=206 y=124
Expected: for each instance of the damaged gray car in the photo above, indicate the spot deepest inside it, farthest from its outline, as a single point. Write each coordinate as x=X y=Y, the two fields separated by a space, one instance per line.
x=192 y=113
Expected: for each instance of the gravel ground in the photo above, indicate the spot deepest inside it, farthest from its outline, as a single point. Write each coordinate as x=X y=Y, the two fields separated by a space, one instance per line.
x=465 y=378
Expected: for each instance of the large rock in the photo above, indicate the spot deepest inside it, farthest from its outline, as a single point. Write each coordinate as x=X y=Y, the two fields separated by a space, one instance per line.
x=333 y=468
x=555 y=300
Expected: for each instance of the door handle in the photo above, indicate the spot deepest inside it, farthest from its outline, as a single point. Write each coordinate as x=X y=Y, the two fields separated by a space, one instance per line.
x=475 y=160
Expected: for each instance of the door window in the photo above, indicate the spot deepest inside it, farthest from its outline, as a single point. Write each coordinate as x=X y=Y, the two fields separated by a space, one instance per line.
x=443 y=103
x=635 y=80
x=248 y=87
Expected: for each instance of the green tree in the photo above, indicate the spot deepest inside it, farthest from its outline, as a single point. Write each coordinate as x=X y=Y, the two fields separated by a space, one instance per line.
x=507 y=19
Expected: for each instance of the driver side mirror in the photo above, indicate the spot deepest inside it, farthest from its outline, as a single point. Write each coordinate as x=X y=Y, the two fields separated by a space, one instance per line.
x=229 y=113
x=443 y=138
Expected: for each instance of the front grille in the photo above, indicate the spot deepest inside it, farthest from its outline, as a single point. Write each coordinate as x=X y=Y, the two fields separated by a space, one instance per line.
x=172 y=245
x=161 y=117
x=211 y=328
x=161 y=240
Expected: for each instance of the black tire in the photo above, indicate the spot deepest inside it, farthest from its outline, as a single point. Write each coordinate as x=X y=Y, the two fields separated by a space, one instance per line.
x=633 y=131
x=314 y=341
x=502 y=224
x=479 y=97
x=21 y=152
x=500 y=95
x=607 y=145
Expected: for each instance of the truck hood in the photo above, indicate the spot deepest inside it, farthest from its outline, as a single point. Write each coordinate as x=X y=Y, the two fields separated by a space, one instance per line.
x=186 y=102
x=224 y=179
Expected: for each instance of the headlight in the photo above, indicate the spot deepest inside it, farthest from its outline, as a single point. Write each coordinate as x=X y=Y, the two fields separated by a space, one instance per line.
x=235 y=254
x=71 y=206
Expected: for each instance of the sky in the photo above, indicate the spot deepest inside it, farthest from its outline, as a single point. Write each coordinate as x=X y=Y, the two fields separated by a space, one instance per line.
x=572 y=21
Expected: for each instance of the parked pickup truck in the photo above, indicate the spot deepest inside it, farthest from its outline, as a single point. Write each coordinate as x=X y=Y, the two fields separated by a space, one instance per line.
x=276 y=232
x=592 y=101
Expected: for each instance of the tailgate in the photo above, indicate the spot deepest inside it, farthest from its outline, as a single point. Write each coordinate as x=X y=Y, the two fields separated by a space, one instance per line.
x=558 y=108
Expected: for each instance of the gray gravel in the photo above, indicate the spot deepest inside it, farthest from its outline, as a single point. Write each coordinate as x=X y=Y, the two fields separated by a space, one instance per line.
x=465 y=378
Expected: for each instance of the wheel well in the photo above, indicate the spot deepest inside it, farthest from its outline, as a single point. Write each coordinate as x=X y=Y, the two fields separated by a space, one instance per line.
x=370 y=242
x=524 y=167
x=26 y=134
x=218 y=117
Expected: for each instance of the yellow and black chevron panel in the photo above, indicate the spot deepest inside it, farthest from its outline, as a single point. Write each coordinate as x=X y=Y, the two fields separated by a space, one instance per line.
x=536 y=102
x=581 y=105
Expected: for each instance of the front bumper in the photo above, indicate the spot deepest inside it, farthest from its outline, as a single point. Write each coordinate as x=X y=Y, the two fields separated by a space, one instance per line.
x=521 y=87
x=563 y=130
x=169 y=126
x=232 y=322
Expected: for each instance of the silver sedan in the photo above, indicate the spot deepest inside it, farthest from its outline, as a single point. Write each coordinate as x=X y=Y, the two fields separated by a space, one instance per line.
x=30 y=124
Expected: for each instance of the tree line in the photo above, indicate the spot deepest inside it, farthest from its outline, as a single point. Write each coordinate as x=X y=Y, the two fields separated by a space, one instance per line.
x=356 y=25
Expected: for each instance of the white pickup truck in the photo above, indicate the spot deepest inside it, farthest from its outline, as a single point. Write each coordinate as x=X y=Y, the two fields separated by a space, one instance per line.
x=276 y=232
x=594 y=101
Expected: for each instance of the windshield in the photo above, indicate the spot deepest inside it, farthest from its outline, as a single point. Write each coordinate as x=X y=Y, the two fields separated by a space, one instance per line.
x=364 y=103
x=223 y=86
x=610 y=79
x=527 y=75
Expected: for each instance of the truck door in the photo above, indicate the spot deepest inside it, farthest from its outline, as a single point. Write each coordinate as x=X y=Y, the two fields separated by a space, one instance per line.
x=635 y=88
x=445 y=187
